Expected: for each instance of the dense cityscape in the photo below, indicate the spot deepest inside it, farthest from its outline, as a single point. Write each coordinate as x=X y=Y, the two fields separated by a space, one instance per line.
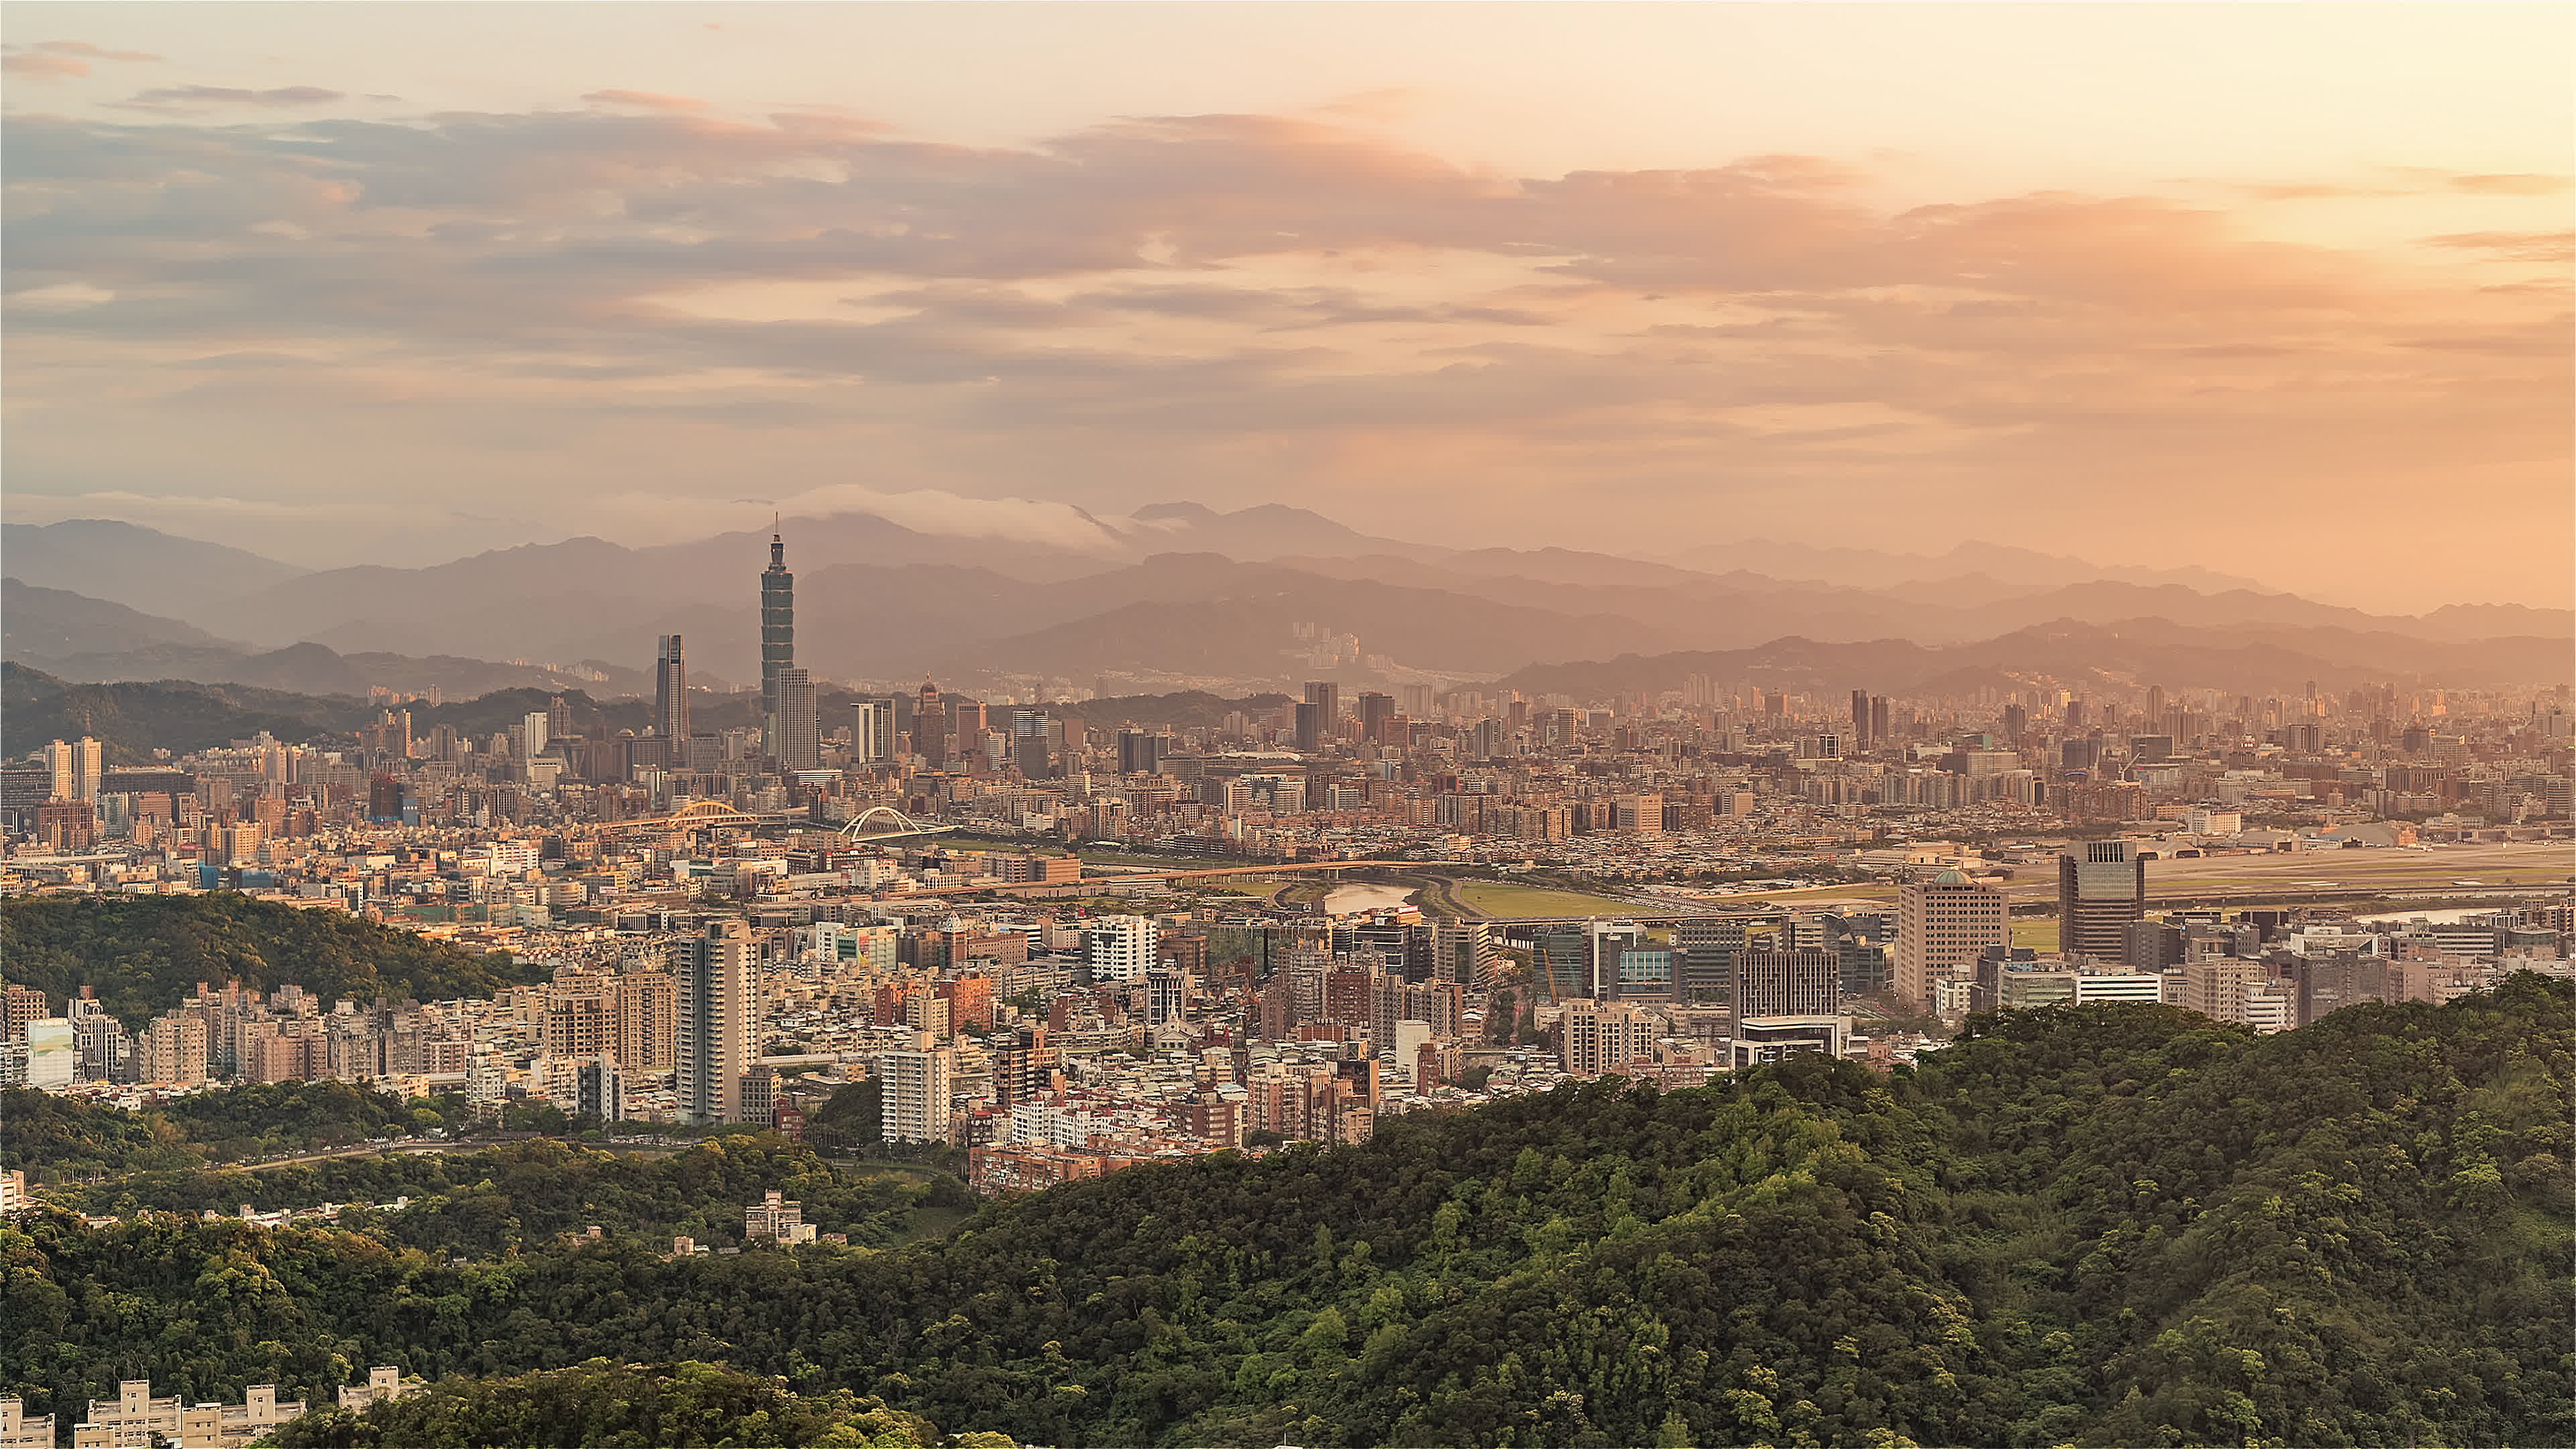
x=1622 y=941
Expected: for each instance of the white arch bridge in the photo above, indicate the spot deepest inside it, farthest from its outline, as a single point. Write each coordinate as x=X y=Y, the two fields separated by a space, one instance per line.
x=856 y=831
x=716 y=815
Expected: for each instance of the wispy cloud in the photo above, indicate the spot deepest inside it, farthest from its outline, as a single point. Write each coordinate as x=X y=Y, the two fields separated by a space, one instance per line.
x=194 y=97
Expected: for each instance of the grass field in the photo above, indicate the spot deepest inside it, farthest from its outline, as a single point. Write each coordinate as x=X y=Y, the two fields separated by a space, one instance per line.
x=1507 y=902
x=2039 y=933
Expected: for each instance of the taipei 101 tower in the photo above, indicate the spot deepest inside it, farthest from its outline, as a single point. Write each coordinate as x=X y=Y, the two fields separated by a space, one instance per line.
x=777 y=643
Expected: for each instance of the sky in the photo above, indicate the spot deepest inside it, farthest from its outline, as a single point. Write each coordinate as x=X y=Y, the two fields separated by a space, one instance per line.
x=2279 y=290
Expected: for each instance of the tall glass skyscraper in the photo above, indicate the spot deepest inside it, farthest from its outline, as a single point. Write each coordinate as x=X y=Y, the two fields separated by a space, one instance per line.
x=671 y=694
x=777 y=643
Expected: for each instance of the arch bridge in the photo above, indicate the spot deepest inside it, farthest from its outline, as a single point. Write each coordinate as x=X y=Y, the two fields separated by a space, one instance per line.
x=856 y=830
x=698 y=815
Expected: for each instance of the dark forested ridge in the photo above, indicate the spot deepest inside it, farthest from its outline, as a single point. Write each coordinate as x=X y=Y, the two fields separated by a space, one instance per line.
x=54 y=1138
x=2097 y=1226
x=509 y=1198
x=146 y=954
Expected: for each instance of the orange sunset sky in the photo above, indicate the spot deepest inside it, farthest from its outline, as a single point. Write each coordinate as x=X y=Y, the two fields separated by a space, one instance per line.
x=2280 y=290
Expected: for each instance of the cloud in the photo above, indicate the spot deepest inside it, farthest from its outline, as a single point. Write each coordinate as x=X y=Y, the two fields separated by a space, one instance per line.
x=484 y=305
x=192 y=96
x=60 y=59
x=2513 y=246
x=647 y=101
x=61 y=297
x=43 y=66
x=87 y=51
x=2520 y=183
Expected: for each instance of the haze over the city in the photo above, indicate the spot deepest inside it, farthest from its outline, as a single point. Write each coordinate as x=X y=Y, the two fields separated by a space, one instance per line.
x=2278 y=292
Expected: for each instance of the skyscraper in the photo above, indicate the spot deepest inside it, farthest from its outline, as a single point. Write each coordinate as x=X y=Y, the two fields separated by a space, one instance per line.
x=800 y=745
x=1377 y=716
x=1861 y=739
x=671 y=691
x=2101 y=890
x=1326 y=697
x=777 y=639
x=930 y=727
x=719 y=1003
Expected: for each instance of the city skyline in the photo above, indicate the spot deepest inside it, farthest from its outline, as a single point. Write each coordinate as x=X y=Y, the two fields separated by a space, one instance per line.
x=542 y=302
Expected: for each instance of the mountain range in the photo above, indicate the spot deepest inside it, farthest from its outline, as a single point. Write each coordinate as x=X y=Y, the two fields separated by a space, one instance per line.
x=1178 y=593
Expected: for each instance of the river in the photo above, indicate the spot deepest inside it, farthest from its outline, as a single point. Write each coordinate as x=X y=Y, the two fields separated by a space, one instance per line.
x=1348 y=900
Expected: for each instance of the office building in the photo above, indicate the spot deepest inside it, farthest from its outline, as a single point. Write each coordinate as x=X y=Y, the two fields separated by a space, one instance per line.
x=670 y=690
x=719 y=1002
x=1801 y=981
x=2101 y=892
x=799 y=742
x=930 y=727
x=1760 y=1039
x=1377 y=718
x=777 y=640
x=1942 y=924
x=1708 y=948
x=1141 y=752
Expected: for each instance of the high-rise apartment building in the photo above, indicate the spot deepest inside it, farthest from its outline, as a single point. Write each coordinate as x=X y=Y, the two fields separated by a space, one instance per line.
x=671 y=691
x=1942 y=925
x=76 y=768
x=1119 y=948
x=719 y=1007
x=777 y=639
x=871 y=731
x=2101 y=892
x=1601 y=1036
x=915 y=1085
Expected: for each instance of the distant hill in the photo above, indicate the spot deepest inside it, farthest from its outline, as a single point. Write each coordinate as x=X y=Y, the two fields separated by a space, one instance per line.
x=133 y=719
x=142 y=568
x=1178 y=588
x=39 y=624
x=2252 y=659
x=144 y=954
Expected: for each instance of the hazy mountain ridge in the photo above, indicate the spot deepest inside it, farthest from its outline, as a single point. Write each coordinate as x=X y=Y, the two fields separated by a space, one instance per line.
x=1177 y=588
x=2245 y=660
x=141 y=568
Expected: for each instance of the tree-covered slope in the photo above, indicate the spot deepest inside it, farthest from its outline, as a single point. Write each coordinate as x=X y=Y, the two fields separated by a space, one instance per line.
x=519 y=1196
x=605 y=1405
x=54 y=1138
x=2101 y=1226
x=146 y=954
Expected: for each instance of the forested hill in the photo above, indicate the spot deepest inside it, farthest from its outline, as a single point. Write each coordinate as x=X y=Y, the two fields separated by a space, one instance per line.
x=146 y=954
x=2111 y=1225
